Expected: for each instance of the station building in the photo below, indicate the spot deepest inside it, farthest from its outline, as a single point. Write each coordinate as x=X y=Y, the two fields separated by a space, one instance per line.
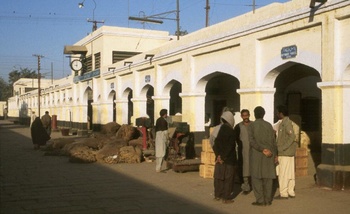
x=283 y=53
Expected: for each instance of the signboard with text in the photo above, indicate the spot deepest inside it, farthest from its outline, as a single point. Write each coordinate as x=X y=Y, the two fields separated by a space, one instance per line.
x=289 y=52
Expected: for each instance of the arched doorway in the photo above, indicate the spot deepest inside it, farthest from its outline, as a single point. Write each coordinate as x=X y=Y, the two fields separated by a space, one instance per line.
x=150 y=103
x=88 y=96
x=175 y=102
x=296 y=87
x=112 y=96
x=221 y=91
x=130 y=107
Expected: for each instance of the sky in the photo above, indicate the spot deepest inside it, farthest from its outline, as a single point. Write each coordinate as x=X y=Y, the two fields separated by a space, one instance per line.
x=44 y=27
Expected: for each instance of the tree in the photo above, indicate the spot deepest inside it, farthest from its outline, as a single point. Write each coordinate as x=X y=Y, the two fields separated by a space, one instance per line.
x=16 y=74
x=181 y=32
x=5 y=90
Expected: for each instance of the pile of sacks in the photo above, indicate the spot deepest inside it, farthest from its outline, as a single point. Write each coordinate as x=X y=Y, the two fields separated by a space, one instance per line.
x=114 y=144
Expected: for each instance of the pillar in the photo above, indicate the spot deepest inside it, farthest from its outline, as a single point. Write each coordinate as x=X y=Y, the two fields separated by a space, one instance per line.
x=140 y=108
x=253 y=97
x=334 y=170
x=160 y=102
x=193 y=110
x=122 y=111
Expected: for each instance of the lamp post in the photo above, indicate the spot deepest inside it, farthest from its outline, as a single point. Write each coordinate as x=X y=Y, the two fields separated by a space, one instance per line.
x=94 y=22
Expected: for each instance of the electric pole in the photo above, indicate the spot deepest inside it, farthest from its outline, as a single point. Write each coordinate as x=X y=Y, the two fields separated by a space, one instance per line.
x=207 y=8
x=39 y=77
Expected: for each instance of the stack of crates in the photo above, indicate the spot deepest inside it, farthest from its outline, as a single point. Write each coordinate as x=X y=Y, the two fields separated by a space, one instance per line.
x=206 y=169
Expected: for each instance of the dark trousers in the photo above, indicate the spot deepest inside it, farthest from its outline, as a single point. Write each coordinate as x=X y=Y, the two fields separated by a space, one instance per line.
x=223 y=180
x=262 y=189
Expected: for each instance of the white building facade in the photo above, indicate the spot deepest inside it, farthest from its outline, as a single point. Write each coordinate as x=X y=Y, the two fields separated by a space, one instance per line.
x=282 y=54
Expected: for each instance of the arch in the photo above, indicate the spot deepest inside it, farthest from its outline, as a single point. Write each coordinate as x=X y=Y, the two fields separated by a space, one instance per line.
x=173 y=89
x=87 y=94
x=144 y=90
x=169 y=86
x=202 y=83
x=147 y=93
x=126 y=92
x=111 y=94
x=296 y=88
x=221 y=91
x=270 y=78
x=88 y=99
x=112 y=97
x=274 y=66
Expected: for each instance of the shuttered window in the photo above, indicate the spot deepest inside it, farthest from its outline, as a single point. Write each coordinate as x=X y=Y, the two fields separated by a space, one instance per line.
x=121 y=55
x=97 y=61
x=88 y=64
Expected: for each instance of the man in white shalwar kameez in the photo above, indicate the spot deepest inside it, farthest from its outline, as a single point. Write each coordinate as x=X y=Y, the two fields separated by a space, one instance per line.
x=162 y=139
x=286 y=146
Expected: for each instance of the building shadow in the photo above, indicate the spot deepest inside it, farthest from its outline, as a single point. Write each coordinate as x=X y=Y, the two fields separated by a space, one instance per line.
x=36 y=183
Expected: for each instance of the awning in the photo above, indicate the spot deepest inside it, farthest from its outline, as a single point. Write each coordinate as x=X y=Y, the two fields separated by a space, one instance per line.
x=74 y=49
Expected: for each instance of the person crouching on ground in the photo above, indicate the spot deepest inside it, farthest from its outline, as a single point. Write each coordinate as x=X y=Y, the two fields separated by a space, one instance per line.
x=226 y=160
x=39 y=134
x=162 y=138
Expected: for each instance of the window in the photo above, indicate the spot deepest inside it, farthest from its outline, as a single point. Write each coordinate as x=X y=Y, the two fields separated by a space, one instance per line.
x=97 y=60
x=87 y=65
x=121 y=55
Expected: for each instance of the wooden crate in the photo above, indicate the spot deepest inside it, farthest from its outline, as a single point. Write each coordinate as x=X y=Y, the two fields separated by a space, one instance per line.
x=201 y=170
x=204 y=157
x=301 y=162
x=302 y=171
x=208 y=158
x=301 y=152
x=212 y=158
x=206 y=147
x=206 y=171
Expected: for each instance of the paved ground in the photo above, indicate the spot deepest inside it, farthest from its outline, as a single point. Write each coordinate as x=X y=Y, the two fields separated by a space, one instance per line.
x=33 y=183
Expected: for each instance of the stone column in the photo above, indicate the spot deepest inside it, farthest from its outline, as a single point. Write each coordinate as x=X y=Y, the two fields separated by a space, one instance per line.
x=253 y=97
x=160 y=102
x=334 y=170
x=140 y=108
x=106 y=111
x=193 y=110
x=122 y=111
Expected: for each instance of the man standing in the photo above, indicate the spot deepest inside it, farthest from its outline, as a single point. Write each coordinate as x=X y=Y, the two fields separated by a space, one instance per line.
x=241 y=130
x=162 y=138
x=286 y=146
x=226 y=160
x=263 y=151
x=46 y=120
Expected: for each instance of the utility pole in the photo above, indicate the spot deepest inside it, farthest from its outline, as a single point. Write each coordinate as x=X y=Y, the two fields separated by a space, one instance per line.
x=254 y=6
x=178 y=19
x=207 y=8
x=39 y=77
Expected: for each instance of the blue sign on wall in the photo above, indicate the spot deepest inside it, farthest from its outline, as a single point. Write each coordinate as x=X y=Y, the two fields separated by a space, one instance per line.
x=289 y=52
x=87 y=76
x=148 y=78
